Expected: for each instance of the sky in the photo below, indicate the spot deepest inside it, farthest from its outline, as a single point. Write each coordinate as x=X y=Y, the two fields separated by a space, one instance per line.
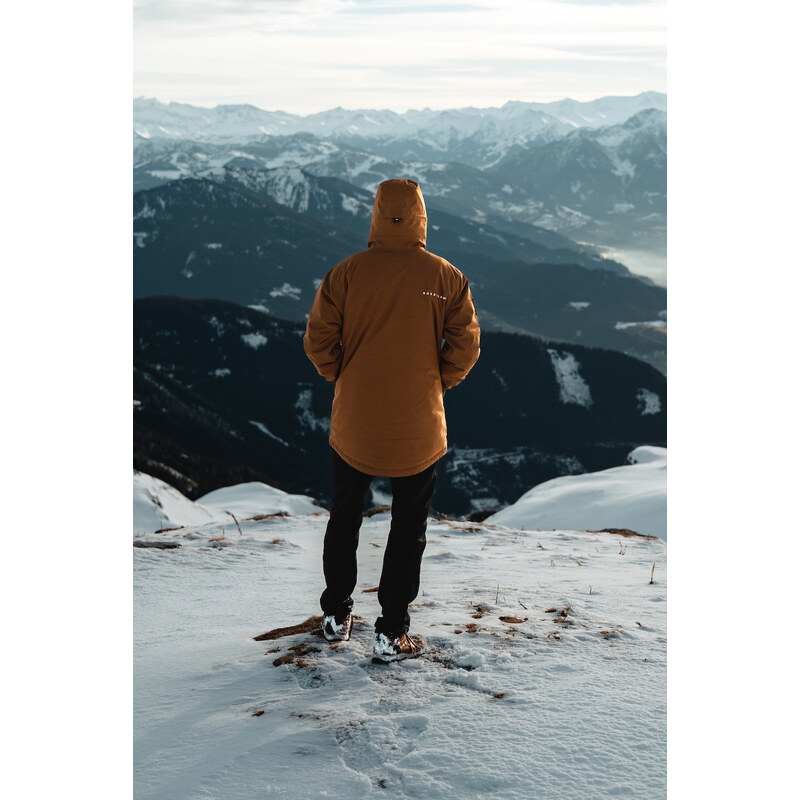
x=304 y=56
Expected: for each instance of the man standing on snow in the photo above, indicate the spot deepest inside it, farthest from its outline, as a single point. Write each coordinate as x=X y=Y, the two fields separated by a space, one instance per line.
x=376 y=328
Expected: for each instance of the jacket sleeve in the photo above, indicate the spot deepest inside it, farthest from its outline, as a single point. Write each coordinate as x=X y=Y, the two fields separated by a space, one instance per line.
x=323 y=337
x=462 y=337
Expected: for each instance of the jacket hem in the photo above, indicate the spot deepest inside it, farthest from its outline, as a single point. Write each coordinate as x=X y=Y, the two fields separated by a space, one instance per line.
x=376 y=471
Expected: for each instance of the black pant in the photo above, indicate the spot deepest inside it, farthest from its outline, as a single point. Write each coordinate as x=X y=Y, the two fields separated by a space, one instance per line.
x=411 y=502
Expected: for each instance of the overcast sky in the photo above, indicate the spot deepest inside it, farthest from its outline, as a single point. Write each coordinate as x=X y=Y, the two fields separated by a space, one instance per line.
x=310 y=55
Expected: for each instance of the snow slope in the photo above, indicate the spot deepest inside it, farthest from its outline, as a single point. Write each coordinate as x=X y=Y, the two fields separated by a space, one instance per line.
x=546 y=675
x=250 y=499
x=158 y=505
x=633 y=496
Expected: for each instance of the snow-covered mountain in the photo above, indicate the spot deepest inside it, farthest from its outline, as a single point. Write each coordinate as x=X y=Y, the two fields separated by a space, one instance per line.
x=595 y=172
x=345 y=205
x=486 y=133
x=229 y=239
x=318 y=178
x=633 y=496
x=603 y=172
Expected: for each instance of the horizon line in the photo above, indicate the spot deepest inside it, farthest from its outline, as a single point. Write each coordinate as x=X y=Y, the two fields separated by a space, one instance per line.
x=399 y=113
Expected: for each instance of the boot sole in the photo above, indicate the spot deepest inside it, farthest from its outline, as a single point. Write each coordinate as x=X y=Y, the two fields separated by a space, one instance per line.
x=391 y=659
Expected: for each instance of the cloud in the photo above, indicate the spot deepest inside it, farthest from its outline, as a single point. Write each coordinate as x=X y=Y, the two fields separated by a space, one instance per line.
x=307 y=55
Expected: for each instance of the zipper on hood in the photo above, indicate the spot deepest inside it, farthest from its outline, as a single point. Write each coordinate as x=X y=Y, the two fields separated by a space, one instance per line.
x=399 y=219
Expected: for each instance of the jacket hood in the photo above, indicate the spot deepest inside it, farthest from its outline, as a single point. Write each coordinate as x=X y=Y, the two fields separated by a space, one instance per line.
x=399 y=219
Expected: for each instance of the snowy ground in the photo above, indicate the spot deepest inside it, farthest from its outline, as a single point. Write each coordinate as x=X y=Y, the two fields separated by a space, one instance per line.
x=633 y=496
x=564 y=698
x=158 y=505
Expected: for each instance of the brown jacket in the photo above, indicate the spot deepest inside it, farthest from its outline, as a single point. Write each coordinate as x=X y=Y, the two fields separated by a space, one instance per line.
x=376 y=328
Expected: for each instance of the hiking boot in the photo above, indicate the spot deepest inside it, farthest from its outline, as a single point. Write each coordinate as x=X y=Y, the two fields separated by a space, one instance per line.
x=337 y=629
x=394 y=647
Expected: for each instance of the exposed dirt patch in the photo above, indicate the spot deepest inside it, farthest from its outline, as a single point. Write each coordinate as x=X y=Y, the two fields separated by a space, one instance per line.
x=311 y=624
x=295 y=655
x=513 y=620
x=269 y=516
x=624 y=532
x=562 y=615
x=376 y=510
x=157 y=545
x=470 y=627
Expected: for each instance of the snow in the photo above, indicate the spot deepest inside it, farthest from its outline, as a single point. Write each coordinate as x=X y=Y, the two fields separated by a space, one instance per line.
x=146 y=212
x=647 y=454
x=512 y=124
x=632 y=496
x=251 y=499
x=306 y=415
x=579 y=304
x=158 y=505
x=216 y=325
x=564 y=699
x=648 y=402
x=263 y=428
x=286 y=290
x=166 y=174
x=254 y=340
x=657 y=323
x=500 y=380
x=351 y=204
x=625 y=168
x=572 y=388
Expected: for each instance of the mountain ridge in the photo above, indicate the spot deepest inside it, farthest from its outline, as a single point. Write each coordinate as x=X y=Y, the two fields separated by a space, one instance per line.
x=340 y=121
x=224 y=394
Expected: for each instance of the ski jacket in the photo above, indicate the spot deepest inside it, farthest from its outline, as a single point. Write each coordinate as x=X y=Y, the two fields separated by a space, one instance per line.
x=394 y=326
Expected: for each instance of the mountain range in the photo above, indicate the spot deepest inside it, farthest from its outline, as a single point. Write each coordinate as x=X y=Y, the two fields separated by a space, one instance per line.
x=458 y=133
x=595 y=171
x=267 y=237
x=238 y=214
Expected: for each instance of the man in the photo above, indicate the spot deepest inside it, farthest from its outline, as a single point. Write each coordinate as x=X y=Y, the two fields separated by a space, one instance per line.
x=376 y=328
